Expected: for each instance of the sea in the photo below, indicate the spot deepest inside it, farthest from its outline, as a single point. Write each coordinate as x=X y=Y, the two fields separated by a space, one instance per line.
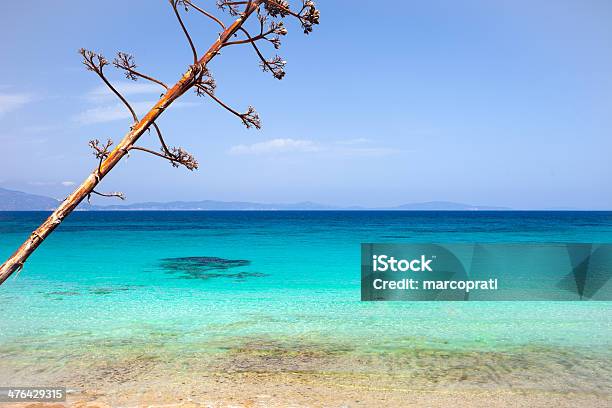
x=279 y=291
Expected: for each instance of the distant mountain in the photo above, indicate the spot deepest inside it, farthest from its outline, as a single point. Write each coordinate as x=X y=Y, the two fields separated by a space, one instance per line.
x=18 y=201
x=211 y=205
x=445 y=206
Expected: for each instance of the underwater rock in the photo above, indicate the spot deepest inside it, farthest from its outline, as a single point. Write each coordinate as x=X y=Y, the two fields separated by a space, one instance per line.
x=208 y=267
x=63 y=293
x=109 y=290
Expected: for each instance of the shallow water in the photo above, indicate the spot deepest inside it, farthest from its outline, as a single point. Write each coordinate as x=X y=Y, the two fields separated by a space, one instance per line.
x=113 y=295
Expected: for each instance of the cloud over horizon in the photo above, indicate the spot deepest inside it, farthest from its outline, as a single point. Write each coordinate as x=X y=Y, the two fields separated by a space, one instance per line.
x=279 y=145
x=358 y=147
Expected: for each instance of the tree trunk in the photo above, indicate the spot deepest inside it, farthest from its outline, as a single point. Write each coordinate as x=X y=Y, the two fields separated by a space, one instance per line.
x=17 y=260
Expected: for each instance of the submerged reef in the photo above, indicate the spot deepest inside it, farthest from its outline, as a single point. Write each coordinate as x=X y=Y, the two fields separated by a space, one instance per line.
x=208 y=267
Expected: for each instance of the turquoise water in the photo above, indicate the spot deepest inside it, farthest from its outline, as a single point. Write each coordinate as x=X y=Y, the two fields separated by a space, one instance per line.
x=118 y=284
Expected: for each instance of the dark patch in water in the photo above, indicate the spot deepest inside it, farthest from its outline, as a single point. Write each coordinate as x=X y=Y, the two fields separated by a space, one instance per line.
x=109 y=290
x=208 y=267
x=60 y=294
x=244 y=275
x=63 y=293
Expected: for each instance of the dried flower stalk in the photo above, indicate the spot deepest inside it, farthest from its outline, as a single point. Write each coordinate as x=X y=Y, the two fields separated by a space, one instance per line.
x=197 y=77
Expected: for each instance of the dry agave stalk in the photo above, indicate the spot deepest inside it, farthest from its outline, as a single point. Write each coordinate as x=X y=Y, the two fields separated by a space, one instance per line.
x=270 y=28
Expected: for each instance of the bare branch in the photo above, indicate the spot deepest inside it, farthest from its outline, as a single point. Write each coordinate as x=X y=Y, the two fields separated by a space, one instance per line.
x=185 y=158
x=275 y=41
x=117 y=194
x=308 y=15
x=248 y=118
x=247 y=41
x=205 y=81
x=93 y=61
x=96 y=63
x=276 y=65
x=100 y=151
x=275 y=28
x=251 y=117
x=126 y=62
x=207 y=14
x=232 y=7
x=175 y=4
x=176 y=155
x=161 y=139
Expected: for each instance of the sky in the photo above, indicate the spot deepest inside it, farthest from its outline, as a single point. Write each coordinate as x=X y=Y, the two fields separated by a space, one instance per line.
x=500 y=103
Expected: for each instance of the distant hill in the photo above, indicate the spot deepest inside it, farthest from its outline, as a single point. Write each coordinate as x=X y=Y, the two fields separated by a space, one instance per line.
x=445 y=206
x=211 y=205
x=11 y=200
x=18 y=201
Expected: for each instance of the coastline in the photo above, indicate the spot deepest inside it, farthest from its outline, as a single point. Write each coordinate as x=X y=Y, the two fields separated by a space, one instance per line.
x=297 y=389
x=274 y=394
x=240 y=372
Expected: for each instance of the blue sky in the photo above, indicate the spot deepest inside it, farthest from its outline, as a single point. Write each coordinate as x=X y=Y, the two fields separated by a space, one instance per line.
x=504 y=103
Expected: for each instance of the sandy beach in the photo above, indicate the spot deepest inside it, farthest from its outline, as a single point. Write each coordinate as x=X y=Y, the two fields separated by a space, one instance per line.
x=299 y=390
x=276 y=374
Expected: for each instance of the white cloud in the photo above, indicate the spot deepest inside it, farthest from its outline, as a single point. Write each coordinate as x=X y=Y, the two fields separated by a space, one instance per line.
x=103 y=94
x=106 y=111
x=348 y=147
x=13 y=101
x=107 y=108
x=109 y=113
x=276 y=146
x=51 y=183
x=102 y=114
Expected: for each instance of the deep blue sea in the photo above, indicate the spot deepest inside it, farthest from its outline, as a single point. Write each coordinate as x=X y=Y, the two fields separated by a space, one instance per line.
x=110 y=284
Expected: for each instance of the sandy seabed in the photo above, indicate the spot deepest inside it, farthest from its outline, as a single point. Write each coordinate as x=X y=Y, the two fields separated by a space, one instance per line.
x=268 y=373
x=306 y=391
